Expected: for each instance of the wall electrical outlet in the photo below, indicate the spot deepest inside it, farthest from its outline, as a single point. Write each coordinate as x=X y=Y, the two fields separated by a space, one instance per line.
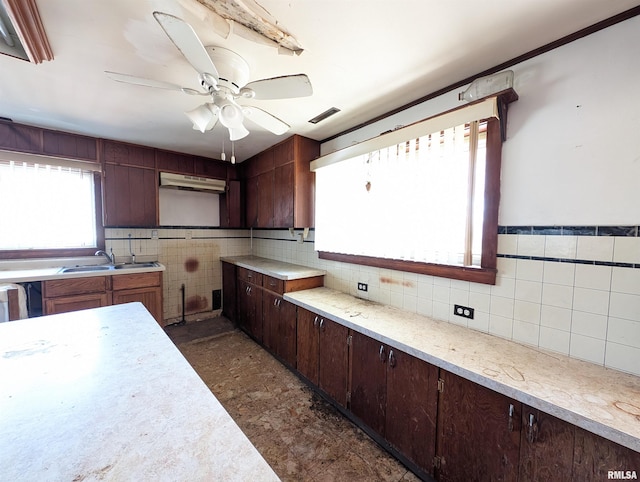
x=463 y=311
x=363 y=287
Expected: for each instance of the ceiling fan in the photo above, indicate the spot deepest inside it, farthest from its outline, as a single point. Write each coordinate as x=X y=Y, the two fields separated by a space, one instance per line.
x=223 y=75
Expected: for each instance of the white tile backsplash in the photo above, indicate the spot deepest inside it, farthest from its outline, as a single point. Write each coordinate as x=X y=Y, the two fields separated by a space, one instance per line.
x=559 y=273
x=554 y=340
x=596 y=248
x=560 y=246
x=587 y=348
x=626 y=250
x=587 y=311
x=622 y=357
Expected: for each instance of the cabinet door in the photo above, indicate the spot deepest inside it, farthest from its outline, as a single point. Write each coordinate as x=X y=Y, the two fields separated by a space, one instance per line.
x=286 y=332
x=265 y=200
x=546 y=447
x=279 y=327
x=231 y=206
x=229 y=289
x=478 y=434
x=283 y=196
x=307 y=336
x=368 y=381
x=150 y=297
x=333 y=360
x=270 y=321
x=595 y=456
x=250 y=309
x=66 y=304
x=130 y=196
x=251 y=200
x=412 y=407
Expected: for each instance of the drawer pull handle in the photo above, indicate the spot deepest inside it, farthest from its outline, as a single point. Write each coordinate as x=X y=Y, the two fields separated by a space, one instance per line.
x=532 y=429
x=322 y=323
x=392 y=359
x=511 y=410
x=381 y=354
x=315 y=321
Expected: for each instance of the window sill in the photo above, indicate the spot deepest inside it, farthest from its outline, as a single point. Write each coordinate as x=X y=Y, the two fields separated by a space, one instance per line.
x=464 y=273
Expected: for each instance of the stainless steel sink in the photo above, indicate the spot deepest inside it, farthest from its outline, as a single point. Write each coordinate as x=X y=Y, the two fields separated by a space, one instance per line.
x=83 y=269
x=135 y=265
x=107 y=267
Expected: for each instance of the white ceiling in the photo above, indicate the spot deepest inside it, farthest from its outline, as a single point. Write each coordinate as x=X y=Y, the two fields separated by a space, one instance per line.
x=365 y=57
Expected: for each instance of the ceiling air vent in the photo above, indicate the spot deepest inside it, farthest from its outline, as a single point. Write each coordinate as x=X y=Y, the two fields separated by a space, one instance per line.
x=324 y=115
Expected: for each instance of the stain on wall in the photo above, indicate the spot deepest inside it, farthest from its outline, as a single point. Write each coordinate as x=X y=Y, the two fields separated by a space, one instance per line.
x=191 y=265
x=196 y=304
x=391 y=281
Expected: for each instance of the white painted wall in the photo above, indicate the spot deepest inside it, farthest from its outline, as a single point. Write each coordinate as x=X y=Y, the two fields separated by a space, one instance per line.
x=572 y=156
x=188 y=208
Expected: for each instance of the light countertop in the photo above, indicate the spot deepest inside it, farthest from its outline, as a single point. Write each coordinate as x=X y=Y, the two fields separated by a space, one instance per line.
x=45 y=273
x=598 y=399
x=104 y=394
x=277 y=269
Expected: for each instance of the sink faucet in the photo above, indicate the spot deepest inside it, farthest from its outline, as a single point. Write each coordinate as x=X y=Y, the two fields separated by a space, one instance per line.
x=133 y=256
x=111 y=258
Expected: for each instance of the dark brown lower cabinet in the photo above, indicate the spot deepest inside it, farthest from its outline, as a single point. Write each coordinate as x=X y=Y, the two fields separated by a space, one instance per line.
x=412 y=408
x=229 y=291
x=396 y=395
x=250 y=309
x=279 y=327
x=546 y=447
x=594 y=457
x=368 y=381
x=479 y=432
x=323 y=354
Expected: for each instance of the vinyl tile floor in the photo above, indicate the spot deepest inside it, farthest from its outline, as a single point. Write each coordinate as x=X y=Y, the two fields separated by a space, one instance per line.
x=299 y=434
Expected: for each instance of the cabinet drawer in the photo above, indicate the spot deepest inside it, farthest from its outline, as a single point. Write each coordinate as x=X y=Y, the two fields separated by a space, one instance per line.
x=273 y=284
x=75 y=286
x=137 y=280
x=249 y=276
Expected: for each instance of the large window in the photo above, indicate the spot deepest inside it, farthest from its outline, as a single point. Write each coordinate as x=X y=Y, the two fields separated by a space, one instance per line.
x=49 y=209
x=427 y=204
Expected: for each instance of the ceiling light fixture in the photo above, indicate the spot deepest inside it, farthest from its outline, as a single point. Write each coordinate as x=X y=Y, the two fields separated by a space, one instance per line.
x=204 y=117
x=231 y=117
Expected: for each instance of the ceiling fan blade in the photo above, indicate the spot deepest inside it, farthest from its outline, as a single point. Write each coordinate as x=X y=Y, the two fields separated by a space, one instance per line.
x=158 y=84
x=265 y=120
x=184 y=37
x=286 y=87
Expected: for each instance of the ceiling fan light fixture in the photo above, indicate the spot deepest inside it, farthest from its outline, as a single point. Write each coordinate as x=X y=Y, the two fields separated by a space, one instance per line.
x=237 y=133
x=204 y=117
x=231 y=116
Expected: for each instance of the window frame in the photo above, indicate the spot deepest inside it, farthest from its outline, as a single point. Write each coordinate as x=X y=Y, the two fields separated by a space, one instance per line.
x=68 y=252
x=487 y=271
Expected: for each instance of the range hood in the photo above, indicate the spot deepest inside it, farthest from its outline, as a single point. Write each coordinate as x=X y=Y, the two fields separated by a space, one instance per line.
x=192 y=183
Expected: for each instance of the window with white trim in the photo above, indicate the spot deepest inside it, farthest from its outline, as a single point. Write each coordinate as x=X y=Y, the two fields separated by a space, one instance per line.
x=47 y=207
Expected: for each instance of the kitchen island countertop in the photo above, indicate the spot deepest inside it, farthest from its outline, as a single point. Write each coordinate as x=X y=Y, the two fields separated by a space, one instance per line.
x=277 y=269
x=104 y=394
x=600 y=400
